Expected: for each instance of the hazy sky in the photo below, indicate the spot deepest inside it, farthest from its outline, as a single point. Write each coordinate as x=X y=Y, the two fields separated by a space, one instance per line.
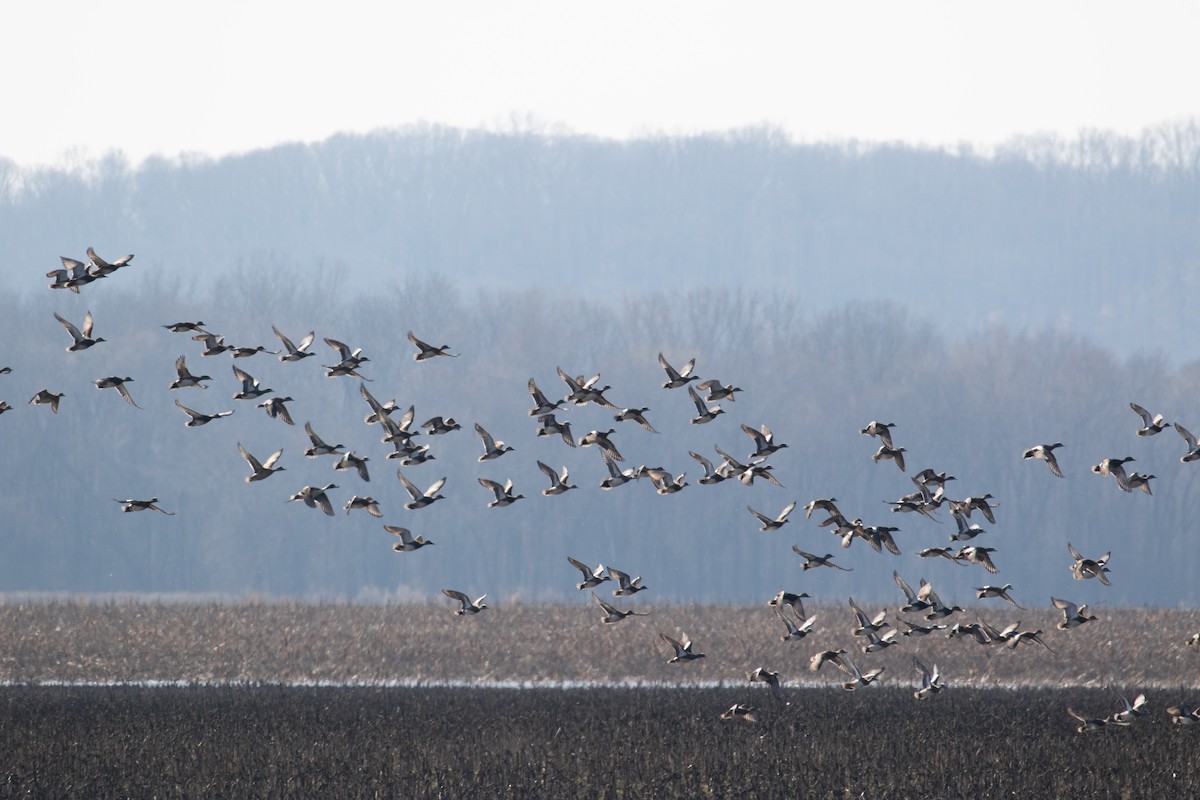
x=83 y=77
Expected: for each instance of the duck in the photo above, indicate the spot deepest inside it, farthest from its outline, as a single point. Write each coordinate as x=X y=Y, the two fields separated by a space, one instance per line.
x=491 y=447
x=541 y=404
x=758 y=470
x=102 y=268
x=857 y=677
x=795 y=631
x=558 y=482
x=711 y=476
x=4 y=406
x=344 y=370
x=397 y=433
x=677 y=378
x=778 y=522
x=1129 y=714
x=704 y=414
x=825 y=657
x=196 y=419
x=813 y=561
x=664 y=483
x=369 y=504
x=683 y=650
x=316 y=497
x=982 y=592
x=45 y=397
x=930 y=680
x=251 y=388
x=213 y=345
x=875 y=642
x=881 y=429
x=348 y=357
x=503 y=493
x=1183 y=715
x=627 y=585
x=1193 y=449
x=586 y=390
x=408 y=543
x=966 y=530
x=1151 y=425
x=1087 y=724
x=764 y=441
x=637 y=415
x=295 y=352
x=1045 y=452
x=319 y=446
x=73 y=275
x=980 y=504
x=379 y=411
x=260 y=470
x=741 y=711
x=978 y=555
x=350 y=461
x=612 y=613
x=763 y=675
x=917 y=601
x=185 y=379
x=943 y=552
x=421 y=499
x=826 y=504
x=186 y=327
x=718 y=391
x=880 y=538
x=886 y=451
x=247 y=352
x=1025 y=637
x=142 y=505
x=549 y=426
x=601 y=439
x=789 y=599
x=616 y=475
x=466 y=604
x=118 y=383
x=1084 y=568
x=1138 y=480
x=80 y=340
x=938 y=609
x=867 y=625
x=1073 y=615
x=916 y=629
x=591 y=577
x=427 y=351
x=1116 y=468
x=438 y=426
x=276 y=409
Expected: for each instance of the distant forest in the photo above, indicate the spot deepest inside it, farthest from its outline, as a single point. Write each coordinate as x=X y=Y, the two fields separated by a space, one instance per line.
x=1096 y=236
x=984 y=305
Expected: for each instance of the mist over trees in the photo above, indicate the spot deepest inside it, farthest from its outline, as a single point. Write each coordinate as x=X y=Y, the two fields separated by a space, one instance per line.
x=1095 y=236
x=983 y=304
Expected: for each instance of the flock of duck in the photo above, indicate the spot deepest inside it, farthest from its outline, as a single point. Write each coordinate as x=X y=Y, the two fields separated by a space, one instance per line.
x=875 y=632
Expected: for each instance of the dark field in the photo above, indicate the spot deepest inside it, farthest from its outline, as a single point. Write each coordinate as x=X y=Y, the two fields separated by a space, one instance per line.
x=598 y=743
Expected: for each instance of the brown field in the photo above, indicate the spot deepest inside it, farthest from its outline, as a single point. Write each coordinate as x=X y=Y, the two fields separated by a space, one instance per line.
x=282 y=642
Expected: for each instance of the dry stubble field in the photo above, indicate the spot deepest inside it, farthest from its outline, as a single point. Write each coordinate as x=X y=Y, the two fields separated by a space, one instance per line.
x=259 y=738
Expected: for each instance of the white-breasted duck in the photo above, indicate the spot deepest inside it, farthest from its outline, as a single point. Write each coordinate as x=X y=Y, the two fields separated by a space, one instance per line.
x=295 y=352
x=80 y=340
x=421 y=499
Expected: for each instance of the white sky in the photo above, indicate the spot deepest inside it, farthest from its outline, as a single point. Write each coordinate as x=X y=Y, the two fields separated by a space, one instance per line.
x=82 y=77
